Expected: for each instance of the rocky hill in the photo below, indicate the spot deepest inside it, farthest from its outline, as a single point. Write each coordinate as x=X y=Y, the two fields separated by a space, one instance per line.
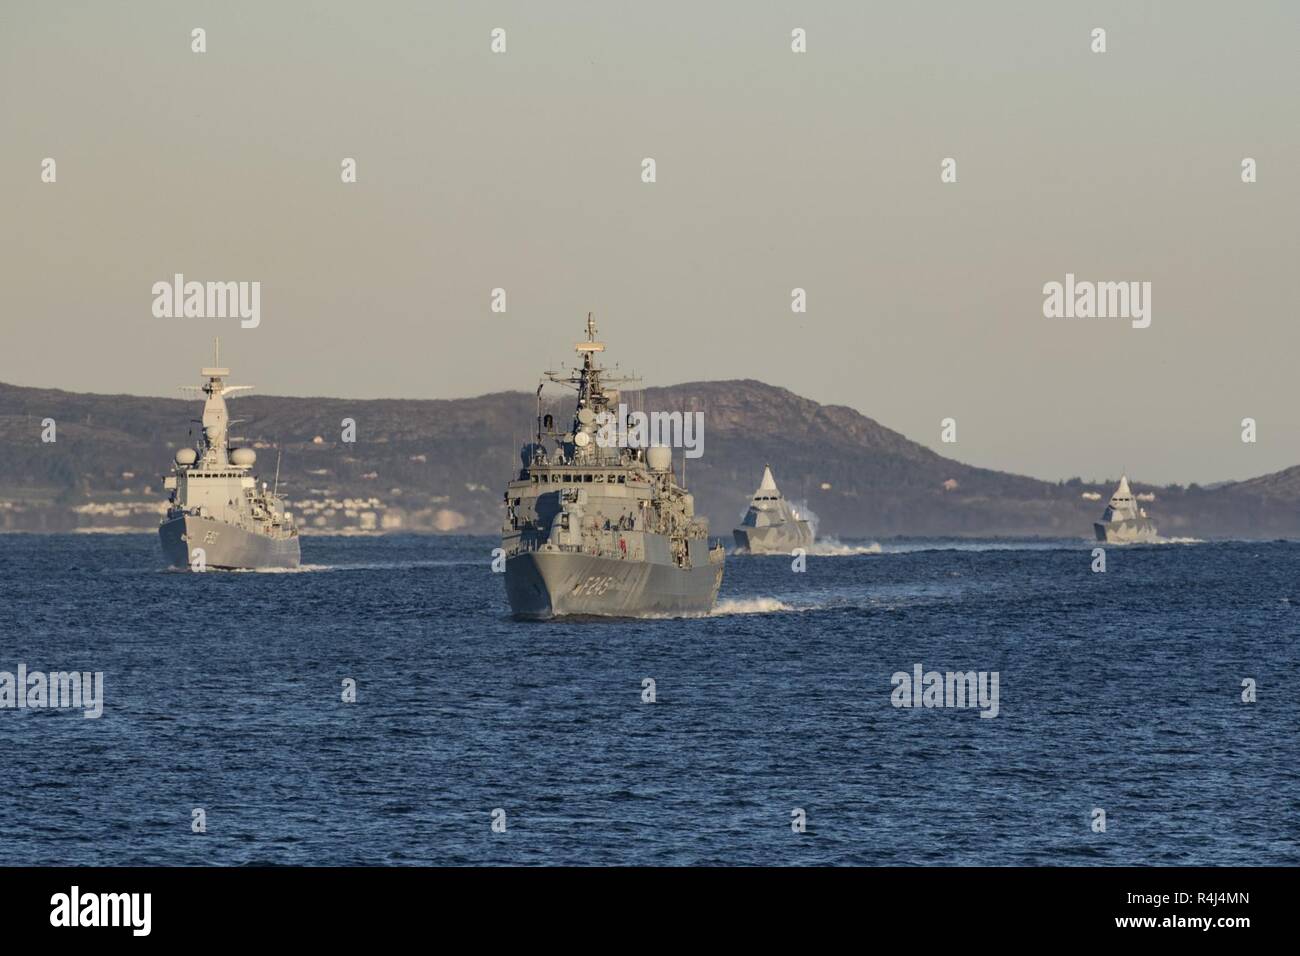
x=442 y=466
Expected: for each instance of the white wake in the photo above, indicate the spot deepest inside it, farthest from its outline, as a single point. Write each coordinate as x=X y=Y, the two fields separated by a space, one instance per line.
x=758 y=605
x=834 y=548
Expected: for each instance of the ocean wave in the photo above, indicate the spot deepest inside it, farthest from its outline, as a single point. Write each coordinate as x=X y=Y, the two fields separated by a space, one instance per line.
x=370 y=566
x=977 y=545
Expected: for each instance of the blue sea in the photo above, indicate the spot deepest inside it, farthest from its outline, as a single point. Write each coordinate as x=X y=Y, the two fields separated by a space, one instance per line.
x=223 y=692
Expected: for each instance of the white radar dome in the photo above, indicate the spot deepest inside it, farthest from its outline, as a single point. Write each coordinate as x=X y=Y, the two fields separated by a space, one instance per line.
x=186 y=456
x=243 y=457
x=659 y=458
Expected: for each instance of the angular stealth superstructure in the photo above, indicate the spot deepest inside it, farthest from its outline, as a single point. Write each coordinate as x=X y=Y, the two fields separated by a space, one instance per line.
x=1124 y=522
x=594 y=528
x=771 y=525
x=216 y=508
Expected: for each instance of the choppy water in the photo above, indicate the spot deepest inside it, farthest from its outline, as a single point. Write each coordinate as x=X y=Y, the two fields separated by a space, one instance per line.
x=1119 y=691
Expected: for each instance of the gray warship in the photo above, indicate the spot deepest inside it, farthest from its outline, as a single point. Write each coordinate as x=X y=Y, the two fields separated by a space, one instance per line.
x=1124 y=522
x=215 y=503
x=771 y=525
x=592 y=528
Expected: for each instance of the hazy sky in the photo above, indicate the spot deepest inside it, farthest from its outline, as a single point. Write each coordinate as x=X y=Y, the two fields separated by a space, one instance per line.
x=775 y=170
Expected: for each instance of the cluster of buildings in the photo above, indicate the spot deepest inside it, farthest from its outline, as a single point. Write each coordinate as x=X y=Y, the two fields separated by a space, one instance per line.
x=338 y=514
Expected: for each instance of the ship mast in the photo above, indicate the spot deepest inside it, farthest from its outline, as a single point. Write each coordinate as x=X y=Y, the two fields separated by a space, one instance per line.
x=589 y=381
x=216 y=419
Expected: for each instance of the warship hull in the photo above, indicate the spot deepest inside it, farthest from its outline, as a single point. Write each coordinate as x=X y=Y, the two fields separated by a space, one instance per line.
x=774 y=539
x=225 y=546
x=545 y=584
x=1128 y=531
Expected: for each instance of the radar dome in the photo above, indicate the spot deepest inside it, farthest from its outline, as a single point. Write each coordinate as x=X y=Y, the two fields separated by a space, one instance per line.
x=659 y=457
x=186 y=456
x=243 y=457
x=586 y=416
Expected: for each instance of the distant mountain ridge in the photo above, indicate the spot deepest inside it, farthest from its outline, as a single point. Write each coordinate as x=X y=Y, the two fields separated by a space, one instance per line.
x=442 y=465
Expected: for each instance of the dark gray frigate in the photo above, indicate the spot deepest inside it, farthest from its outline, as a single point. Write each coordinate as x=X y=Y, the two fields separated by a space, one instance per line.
x=1124 y=522
x=595 y=528
x=772 y=525
x=215 y=502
